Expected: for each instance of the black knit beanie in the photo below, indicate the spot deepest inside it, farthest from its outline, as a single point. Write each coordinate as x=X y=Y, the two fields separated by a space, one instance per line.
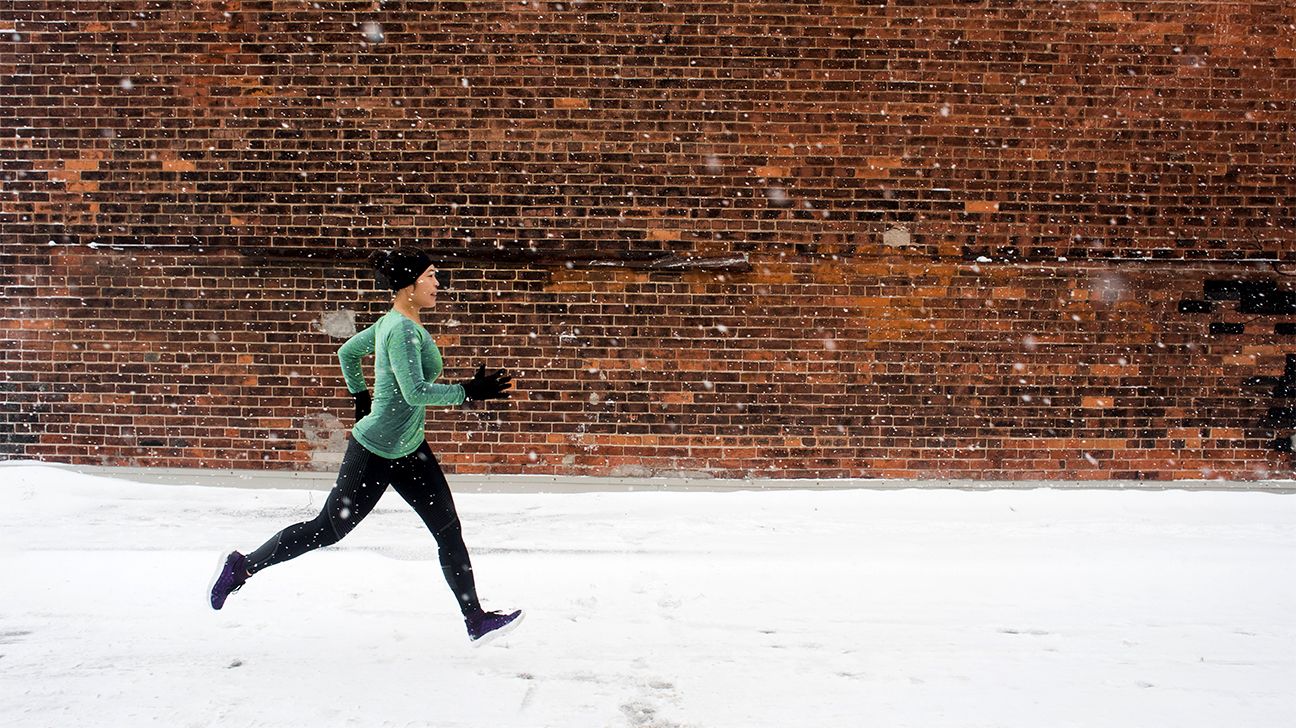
x=398 y=268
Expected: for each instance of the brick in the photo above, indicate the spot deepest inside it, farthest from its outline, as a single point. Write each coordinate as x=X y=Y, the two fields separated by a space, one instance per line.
x=202 y=227
x=663 y=234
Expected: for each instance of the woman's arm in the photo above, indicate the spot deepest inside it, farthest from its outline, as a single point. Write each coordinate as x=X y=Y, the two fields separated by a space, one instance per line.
x=405 y=354
x=356 y=348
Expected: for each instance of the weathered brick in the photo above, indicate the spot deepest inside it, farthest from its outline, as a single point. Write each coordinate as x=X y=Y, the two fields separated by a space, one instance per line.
x=705 y=228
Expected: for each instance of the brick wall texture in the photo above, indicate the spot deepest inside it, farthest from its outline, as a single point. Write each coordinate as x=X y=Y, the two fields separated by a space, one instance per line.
x=865 y=238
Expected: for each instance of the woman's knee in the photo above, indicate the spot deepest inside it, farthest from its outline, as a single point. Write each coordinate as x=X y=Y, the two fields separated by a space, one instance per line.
x=329 y=529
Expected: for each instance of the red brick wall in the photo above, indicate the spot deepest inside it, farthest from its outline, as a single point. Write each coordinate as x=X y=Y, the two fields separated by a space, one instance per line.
x=802 y=239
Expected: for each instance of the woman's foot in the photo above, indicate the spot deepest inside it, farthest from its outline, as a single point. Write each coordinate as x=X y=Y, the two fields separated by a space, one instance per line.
x=230 y=575
x=484 y=627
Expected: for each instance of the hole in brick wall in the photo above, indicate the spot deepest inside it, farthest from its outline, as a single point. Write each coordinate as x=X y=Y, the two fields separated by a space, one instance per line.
x=1262 y=382
x=1280 y=417
x=1279 y=387
x=1268 y=302
x=1258 y=297
x=1226 y=290
x=1189 y=305
x=1221 y=329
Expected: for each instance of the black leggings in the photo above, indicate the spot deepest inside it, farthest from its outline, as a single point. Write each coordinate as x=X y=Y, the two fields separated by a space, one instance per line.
x=363 y=479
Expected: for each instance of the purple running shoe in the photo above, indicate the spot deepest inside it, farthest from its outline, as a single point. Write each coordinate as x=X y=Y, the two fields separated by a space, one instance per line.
x=487 y=626
x=230 y=575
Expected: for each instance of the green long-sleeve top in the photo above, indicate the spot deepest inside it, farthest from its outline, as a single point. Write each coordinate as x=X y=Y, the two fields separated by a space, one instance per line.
x=406 y=365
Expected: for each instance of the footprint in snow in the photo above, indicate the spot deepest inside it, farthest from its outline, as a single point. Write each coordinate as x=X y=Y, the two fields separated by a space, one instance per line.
x=642 y=715
x=12 y=636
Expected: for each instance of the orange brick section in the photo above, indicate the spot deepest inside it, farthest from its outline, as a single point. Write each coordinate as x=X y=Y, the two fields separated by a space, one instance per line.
x=847 y=239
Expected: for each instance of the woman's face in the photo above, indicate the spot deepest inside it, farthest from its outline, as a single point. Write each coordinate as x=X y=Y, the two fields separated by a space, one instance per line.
x=423 y=292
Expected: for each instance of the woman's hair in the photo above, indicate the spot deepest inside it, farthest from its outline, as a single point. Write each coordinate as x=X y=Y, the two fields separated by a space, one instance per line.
x=399 y=267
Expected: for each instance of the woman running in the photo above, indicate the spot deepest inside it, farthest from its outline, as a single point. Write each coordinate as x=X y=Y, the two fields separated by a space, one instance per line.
x=387 y=445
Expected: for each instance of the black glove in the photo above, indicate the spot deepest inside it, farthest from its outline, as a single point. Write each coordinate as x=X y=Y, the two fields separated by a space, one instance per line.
x=363 y=404
x=488 y=386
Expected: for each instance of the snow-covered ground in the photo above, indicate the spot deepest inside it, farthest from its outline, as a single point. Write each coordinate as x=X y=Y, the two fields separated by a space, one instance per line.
x=924 y=608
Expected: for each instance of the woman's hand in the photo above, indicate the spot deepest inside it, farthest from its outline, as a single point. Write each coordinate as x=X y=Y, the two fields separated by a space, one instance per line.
x=488 y=386
x=363 y=404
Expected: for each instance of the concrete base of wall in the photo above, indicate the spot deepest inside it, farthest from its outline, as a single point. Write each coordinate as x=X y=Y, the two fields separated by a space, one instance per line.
x=578 y=484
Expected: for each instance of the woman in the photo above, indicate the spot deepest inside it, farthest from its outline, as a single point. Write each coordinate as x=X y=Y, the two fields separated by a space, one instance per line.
x=387 y=445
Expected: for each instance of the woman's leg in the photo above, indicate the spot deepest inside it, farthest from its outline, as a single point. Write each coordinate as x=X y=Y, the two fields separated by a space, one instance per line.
x=361 y=481
x=424 y=487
